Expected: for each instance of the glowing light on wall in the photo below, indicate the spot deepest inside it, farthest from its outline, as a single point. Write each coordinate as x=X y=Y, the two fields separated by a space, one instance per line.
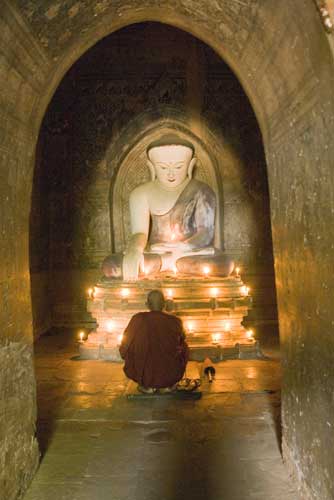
x=169 y=293
x=214 y=292
x=120 y=338
x=125 y=292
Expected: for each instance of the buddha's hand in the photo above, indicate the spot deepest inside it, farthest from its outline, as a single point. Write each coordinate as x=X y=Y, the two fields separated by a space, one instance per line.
x=178 y=247
x=131 y=262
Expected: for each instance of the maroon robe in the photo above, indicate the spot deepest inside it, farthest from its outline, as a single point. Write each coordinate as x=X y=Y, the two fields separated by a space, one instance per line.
x=154 y=349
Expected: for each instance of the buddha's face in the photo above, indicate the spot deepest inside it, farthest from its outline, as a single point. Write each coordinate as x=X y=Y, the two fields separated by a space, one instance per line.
x=171 y=164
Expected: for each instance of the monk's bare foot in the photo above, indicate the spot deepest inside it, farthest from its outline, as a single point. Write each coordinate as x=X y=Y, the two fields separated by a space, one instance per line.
x=146 y=390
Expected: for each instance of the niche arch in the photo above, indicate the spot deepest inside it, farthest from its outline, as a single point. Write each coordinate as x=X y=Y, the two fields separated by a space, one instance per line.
x=129 y=169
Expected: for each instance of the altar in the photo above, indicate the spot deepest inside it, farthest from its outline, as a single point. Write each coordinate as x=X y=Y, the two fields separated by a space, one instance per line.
x=212 y=311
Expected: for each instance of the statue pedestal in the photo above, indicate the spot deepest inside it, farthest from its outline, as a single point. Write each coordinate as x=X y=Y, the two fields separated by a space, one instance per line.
x=212 y=310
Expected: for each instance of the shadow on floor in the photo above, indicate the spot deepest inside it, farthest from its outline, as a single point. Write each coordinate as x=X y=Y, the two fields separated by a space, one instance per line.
x=96 y=444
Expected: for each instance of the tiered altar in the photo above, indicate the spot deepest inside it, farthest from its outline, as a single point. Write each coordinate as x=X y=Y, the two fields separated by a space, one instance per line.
x=212 y=311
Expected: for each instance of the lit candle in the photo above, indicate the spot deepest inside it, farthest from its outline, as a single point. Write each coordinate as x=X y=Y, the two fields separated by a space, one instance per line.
x=206 y=271
x=237 y=272
x=125 y=292
x=90 y=292
x=174 y=269
x=249 y=334
x=144 y=269
x=216 y=338
x=173 y=236
x=227 y=326
x=214 y=292
x=81 y=336
x=190 y=326
x=245 y=290
x=110 y=326
x=169 y=293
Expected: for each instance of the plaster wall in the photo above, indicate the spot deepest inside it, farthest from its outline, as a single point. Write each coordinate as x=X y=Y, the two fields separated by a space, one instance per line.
x=282 y=58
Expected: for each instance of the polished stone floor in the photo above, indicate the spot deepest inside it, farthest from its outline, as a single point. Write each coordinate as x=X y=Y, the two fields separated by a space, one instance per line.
x=97 y=445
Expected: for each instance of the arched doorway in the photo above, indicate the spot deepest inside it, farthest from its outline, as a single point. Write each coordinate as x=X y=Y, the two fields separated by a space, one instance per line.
x=288 y=75
x=93 y=142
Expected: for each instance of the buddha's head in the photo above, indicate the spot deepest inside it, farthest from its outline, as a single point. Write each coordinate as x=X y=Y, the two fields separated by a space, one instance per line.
x=171 y=160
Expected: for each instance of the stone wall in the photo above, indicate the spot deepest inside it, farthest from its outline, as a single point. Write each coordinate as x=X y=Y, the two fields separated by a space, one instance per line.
x=144 y=74
x=22 y=70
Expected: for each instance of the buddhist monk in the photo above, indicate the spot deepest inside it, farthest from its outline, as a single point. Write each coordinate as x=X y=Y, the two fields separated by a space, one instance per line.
x=154 y=347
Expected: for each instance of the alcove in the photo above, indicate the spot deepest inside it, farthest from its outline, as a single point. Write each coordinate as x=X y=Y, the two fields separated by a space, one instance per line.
x=125 y=90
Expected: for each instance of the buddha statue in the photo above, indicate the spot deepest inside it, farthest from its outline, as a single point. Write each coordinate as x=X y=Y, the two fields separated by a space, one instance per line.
x=172 y=219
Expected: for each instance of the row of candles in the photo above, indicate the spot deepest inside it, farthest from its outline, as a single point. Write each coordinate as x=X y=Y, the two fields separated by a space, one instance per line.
x=216 y=337
x=206 y=271
x=214 y=292
x=125 y=292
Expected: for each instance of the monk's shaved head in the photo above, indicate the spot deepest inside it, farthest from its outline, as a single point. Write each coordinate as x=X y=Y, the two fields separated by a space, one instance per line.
x=155 y=300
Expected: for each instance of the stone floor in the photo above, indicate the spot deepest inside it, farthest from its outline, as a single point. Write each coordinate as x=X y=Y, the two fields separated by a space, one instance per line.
x=98 y=445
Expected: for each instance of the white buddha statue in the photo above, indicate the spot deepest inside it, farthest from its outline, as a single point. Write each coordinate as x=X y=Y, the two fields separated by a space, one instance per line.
x=172 y=219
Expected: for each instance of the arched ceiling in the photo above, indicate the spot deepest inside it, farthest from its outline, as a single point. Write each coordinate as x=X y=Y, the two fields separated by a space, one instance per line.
x=262 y=42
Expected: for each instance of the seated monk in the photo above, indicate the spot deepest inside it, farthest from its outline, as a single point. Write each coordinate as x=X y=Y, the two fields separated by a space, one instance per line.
x=172 y=219
x=154 y=347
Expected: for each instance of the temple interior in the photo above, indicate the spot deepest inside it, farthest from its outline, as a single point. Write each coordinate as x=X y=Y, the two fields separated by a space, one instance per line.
x=88 y=91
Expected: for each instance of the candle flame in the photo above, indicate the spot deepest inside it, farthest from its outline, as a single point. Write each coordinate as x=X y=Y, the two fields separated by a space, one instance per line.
x=216 y=337
x=144 y=268
x=249 y=334
x=190 y=326
x=237 y=271
x=90 y=292
x=110 y=326
x=125 y=292
x=214 y=292
x=81 y=336
x=227 y=326
x=170 y=293
x=206 y=270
